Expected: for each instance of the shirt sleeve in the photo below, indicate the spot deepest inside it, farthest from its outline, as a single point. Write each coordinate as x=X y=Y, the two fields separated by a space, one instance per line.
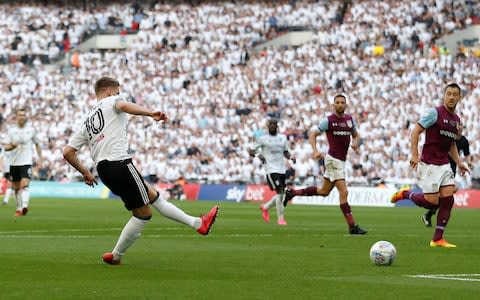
x=354 y=125
x=323 y=126
x=258 y=147
x=428 y=118
x=115 y=100
x=79 y=138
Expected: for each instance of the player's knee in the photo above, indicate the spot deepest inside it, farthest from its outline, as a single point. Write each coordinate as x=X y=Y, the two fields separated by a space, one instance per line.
x=432 y=198
x=322 y=192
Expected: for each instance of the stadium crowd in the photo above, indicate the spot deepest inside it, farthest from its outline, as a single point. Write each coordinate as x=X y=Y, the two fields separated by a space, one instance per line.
x=195 y=62
x=42 y=32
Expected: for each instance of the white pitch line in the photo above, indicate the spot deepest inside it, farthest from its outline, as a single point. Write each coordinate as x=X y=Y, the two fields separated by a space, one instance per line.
x=458 y=277
x=81 y=230
x=144 y=236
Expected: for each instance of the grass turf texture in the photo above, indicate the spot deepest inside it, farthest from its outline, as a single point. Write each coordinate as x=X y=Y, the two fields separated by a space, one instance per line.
x=55 y=253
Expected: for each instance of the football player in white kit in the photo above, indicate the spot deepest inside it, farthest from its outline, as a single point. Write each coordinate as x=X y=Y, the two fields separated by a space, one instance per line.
x=20 y=141
x=105 y=132
x=272 y=149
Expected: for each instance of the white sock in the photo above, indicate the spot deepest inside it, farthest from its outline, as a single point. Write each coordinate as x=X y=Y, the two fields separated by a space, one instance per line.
x=280 y=207
x=270 y=203
x=131 y=231
x=7 y=195
x=172 y=212
x=25 y=195
x=18 y=200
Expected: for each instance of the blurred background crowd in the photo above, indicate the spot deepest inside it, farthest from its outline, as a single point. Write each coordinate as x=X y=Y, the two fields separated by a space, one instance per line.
x=196 y=61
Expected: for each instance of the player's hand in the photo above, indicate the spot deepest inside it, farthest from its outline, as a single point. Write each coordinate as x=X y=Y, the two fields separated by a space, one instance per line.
x=89 y=179
x=414 y=162
x=355 y=147
x=317 y=155
x=463 y=168
x=159 y=116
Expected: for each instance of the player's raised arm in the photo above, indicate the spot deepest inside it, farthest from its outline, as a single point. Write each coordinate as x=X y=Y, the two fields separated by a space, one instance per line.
x=135 y=109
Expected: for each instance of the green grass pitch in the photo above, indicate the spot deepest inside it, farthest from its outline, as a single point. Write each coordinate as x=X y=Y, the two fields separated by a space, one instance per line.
x=55 y=253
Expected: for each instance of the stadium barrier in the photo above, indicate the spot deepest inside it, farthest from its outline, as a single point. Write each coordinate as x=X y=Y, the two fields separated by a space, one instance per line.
x=357 y=196
x=52 y=189
x=467 y=198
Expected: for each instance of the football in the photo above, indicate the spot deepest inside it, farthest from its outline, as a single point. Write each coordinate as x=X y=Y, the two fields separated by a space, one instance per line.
x=383 y=253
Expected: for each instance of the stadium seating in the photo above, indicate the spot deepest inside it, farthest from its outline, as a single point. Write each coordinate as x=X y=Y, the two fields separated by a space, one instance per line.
x=195 y=63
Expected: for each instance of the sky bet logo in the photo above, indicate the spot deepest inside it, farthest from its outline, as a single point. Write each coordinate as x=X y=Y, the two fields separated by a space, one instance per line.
x=235 y=194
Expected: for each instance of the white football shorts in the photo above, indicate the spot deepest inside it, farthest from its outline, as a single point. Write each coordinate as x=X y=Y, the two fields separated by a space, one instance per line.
x=334 y=168
x=432 y=177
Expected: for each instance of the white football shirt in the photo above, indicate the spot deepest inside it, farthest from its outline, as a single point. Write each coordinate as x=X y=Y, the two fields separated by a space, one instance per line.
x=25 y=137
x=272 y=148
x=105 y=132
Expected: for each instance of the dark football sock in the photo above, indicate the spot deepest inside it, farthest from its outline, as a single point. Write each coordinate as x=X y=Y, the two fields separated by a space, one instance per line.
x=347 y=213
x=445 y=208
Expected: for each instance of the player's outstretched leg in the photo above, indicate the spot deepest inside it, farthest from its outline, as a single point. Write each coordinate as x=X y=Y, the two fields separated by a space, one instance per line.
x=201 y=224
x=417 y=198
x=208 y=220
x=290 y=193
x=400 y=194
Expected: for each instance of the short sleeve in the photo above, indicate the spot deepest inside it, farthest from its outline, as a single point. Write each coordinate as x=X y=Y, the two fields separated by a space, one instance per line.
x=323 y=126
x=79 y=138
x=428 y=118
x=115 y=100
